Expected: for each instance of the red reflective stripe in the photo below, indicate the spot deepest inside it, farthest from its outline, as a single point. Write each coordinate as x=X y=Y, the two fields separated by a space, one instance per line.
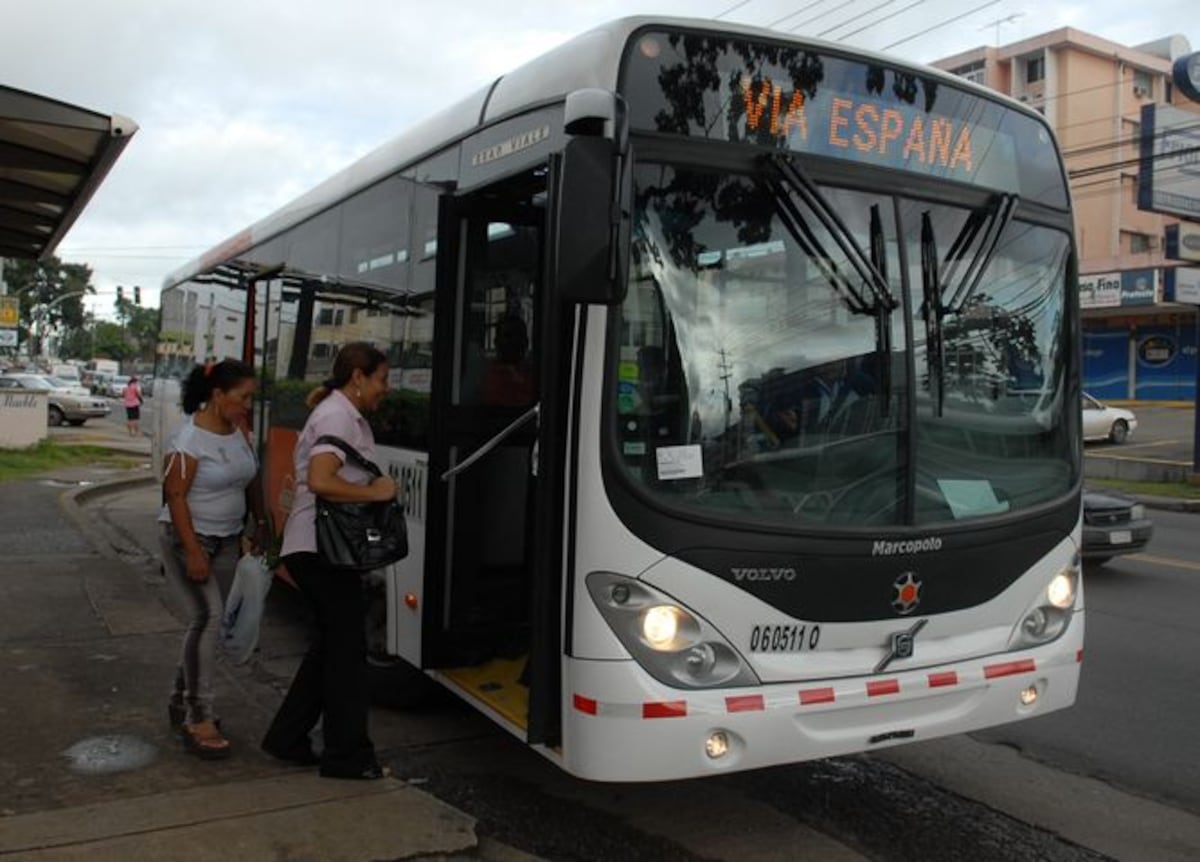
x=1079 y=656
x=746 y=703
x=816 y=695
x=937 y=680
x=884 y=686
x=1009 y=668
x=585 y=704
x=666 y=709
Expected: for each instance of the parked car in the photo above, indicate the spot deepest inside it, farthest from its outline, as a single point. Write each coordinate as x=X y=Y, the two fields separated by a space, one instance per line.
x=65 y=403
x=1101 y=422
x=1113 y=524
x=116 y=385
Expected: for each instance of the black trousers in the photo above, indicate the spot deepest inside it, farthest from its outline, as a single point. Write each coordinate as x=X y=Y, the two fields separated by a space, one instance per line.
x=332 y=678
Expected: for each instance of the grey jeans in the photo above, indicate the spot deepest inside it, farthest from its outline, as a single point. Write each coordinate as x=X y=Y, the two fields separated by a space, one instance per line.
x=193 y=687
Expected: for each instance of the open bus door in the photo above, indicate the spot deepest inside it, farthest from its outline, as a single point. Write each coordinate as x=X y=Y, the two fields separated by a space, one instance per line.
x=492 y=595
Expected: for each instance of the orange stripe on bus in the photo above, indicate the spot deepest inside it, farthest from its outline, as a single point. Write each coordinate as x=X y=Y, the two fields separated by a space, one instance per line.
x=665 y=709
x=937 y=680
x=586 y=704
x=883 y=686
x=816 y=695
x=745 y=703
x=1009 y=668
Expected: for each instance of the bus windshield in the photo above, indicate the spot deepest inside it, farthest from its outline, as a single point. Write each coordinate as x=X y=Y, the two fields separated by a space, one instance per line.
x=805 y=354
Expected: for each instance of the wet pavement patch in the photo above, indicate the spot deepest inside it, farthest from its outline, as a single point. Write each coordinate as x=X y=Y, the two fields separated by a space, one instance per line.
x=100 y=755
x=62 y=483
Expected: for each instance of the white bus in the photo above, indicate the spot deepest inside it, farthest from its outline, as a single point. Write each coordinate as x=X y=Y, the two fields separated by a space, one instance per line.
x=734 y=394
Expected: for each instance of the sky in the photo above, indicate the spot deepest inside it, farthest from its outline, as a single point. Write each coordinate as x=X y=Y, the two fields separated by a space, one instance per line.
x=242 y=106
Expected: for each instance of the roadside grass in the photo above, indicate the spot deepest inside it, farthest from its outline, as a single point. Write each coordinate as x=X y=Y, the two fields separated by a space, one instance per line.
x=1181 y=490
x=48 y=455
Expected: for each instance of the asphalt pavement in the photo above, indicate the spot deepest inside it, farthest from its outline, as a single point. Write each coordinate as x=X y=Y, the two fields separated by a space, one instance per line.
x=89 y=767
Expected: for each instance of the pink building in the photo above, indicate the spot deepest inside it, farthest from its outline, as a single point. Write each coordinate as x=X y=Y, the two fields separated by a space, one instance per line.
x=1139 y=343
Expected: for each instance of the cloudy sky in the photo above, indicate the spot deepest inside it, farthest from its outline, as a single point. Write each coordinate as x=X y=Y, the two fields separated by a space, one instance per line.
x=244 y=105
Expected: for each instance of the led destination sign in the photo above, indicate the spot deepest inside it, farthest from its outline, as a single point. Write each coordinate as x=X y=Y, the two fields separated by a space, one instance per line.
x=709 y=86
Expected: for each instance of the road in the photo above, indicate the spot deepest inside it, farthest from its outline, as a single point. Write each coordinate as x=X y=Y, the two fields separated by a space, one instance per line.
x=1133 y=722
x=966 y=797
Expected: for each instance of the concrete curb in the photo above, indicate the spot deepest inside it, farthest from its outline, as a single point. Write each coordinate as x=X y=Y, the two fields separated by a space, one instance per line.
x=72 y=504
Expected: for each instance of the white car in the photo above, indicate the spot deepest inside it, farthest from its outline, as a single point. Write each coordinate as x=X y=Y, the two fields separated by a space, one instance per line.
x=1101 y=422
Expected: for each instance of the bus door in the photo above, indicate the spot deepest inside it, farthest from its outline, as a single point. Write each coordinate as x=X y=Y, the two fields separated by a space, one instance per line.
x=484 y=496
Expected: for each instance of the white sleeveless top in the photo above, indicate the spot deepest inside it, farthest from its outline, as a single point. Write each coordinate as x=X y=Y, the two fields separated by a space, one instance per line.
x=225 y=465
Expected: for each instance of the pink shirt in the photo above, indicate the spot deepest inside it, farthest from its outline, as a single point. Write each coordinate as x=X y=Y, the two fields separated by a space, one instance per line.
x=131 y=395
x=335 y=415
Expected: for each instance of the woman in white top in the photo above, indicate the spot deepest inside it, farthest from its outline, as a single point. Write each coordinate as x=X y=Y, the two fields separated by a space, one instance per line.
x=210 y=464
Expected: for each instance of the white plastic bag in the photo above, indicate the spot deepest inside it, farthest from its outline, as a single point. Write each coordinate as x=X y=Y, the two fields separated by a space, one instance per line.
x=244 y=608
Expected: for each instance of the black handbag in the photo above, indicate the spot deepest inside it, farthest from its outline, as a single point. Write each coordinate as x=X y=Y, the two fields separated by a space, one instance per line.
x=359 y=537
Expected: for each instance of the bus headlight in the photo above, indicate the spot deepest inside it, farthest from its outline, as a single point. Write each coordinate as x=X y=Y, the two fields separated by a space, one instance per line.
x=1051 y=614
x=674 y=645
x=660 y=624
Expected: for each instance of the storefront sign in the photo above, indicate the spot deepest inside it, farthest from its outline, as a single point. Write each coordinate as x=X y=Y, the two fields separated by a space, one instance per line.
x=1185 y=284
x=1183 y=241
x=1139 y=287
x=1100 y=291
x=1169 y=168
x=1156 y=350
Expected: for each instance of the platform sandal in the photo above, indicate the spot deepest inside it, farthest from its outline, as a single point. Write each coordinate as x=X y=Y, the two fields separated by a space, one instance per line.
x=204 y=740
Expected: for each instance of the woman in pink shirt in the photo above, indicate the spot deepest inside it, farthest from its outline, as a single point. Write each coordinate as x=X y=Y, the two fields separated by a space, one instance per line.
x=332 y=679
x=131 y=397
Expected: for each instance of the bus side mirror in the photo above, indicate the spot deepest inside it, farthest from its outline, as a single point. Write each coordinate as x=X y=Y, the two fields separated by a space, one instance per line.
x=592 y=257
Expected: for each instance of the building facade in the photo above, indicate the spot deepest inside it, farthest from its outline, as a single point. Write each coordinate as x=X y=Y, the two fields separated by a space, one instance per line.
x=1140 y=343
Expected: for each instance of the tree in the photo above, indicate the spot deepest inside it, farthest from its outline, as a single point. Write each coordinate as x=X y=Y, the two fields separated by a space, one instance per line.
x=42 y=286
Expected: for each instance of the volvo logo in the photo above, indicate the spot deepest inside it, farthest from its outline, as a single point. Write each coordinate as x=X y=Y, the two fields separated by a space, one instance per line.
x=764 y=574
x=908 y=593
x=901 y=645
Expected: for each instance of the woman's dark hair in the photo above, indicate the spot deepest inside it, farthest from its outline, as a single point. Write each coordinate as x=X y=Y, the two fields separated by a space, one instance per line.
x=204 y=379
x=357 y=355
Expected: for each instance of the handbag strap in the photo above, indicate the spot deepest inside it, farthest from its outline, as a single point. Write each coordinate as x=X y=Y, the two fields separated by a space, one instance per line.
x=351 y=453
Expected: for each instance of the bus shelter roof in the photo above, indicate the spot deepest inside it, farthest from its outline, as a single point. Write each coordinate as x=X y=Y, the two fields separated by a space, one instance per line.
x=53 y=157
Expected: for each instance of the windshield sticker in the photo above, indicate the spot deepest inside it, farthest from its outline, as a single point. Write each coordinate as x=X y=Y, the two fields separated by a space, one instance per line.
x=971 y=497
x=679 y=462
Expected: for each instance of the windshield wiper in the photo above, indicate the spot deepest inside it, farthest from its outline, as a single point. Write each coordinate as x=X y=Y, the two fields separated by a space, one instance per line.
x=787 y=183
x=791 y=180
x=984 y=225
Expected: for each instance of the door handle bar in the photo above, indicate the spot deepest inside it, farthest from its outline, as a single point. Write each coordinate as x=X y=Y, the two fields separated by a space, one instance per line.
x=491 y=444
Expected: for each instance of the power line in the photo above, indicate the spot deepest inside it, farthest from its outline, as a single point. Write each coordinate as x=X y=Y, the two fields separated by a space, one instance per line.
x=842 y=5
x=887 y=17
x=856 y=16
x=795 y=12
x=733 y=8
x=968 y=13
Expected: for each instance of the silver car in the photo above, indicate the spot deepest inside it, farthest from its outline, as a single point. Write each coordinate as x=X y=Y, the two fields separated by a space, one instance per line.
x=66 y=405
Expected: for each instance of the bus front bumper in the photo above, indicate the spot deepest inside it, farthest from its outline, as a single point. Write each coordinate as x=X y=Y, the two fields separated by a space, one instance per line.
x=671 y=733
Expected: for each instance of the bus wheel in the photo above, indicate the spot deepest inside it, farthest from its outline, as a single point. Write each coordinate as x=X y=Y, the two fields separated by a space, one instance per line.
x=396 y=684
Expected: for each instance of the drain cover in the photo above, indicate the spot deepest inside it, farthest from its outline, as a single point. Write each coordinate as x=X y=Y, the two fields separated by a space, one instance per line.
x=99 y=755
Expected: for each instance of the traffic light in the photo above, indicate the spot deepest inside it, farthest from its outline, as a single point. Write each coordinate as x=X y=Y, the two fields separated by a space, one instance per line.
x=137 y=295
x=120 y=293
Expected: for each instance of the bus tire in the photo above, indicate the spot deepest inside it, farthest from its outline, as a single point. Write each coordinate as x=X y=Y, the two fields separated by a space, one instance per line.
x=396 y=684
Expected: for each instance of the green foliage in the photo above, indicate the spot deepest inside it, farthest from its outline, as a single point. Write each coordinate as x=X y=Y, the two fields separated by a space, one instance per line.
x=45 y=288
x=1153 y=489
x=46 y=455
x=401 y=420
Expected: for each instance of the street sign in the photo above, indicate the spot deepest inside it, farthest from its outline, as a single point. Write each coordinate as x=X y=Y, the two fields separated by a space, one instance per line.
x=10 y=312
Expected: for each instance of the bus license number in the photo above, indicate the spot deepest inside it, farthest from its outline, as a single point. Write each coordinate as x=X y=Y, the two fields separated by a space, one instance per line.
x=784 y=638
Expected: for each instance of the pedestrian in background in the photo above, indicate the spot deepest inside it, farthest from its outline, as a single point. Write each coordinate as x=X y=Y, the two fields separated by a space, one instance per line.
x=131 y=397
x=210 y=467
x=331 y=683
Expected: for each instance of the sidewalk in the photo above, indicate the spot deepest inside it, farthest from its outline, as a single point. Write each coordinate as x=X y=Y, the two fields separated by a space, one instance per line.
x=88 y=765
